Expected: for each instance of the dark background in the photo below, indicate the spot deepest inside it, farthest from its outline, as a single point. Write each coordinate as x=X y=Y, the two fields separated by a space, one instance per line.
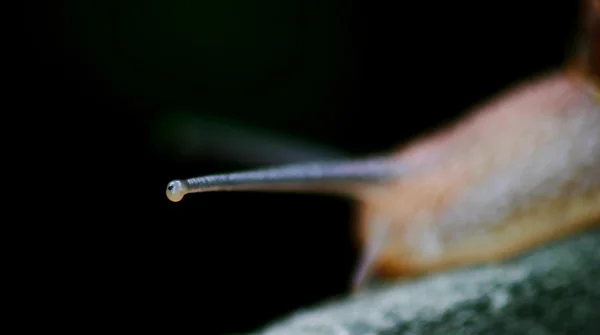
x=361 y=76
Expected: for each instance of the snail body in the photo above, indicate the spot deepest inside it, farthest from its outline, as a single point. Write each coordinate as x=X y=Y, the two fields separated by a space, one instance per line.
x=521 y=170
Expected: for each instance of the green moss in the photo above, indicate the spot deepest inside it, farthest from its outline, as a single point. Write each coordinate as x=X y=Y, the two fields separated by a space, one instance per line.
x=553 y=290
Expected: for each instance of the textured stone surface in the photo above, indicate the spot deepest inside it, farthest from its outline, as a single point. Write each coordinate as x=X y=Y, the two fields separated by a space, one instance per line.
x=553 y=290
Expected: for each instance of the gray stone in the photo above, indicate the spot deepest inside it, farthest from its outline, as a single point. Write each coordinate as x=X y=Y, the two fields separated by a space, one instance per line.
x=553 y=290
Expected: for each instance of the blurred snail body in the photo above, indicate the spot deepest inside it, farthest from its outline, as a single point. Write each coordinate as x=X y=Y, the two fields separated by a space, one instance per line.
x=517 y=172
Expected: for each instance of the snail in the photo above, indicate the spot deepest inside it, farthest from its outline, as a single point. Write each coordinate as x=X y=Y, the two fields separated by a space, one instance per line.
x=516 y=172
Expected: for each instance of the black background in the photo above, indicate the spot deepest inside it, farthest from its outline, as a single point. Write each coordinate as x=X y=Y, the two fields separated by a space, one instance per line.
x=230 y=262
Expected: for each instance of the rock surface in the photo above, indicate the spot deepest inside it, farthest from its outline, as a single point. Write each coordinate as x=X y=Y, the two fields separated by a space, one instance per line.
x=553 y=290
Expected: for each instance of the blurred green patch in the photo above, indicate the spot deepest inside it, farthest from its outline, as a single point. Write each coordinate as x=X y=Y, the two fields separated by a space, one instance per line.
x=236 y=57
x=185 y=134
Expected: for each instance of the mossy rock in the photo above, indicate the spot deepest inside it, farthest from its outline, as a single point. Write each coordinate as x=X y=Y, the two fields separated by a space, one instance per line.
x=553 y=290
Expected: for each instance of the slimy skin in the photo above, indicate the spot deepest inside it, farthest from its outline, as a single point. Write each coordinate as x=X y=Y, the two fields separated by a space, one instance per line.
x=520 y=171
